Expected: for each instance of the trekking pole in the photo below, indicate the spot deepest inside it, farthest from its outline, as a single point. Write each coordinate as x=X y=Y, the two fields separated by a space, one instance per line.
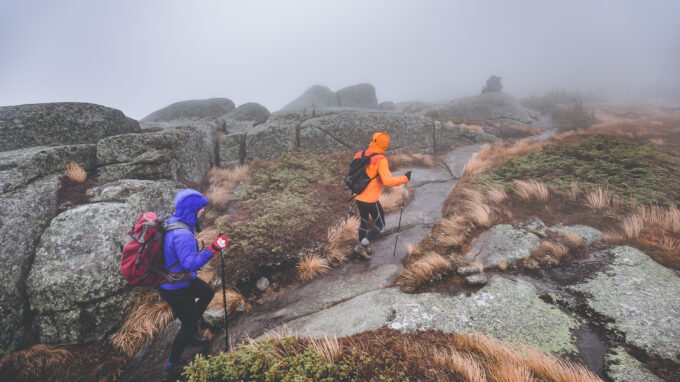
x=401 y=211
x=224 y=302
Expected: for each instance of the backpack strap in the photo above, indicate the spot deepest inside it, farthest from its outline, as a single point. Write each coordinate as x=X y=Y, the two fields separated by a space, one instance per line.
x=174 y=277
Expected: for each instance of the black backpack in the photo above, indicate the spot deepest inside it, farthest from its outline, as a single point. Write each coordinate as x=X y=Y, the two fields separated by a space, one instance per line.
x=357 y=180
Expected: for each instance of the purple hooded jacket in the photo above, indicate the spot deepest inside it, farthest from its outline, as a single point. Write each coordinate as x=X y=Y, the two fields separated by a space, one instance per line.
x=180 y=244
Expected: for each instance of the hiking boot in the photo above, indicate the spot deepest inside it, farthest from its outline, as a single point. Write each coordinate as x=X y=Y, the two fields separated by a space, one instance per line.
x=362 y=251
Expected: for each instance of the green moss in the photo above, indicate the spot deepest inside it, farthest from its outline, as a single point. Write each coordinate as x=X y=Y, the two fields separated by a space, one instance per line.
x=629 y=170
x=289 y=360
x=288 y=206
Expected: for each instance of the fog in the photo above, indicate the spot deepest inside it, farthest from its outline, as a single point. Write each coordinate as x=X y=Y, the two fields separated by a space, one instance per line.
x=139 y=56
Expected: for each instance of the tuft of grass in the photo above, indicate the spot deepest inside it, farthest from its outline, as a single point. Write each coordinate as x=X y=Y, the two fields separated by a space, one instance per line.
x=476 y=166
x=311 y=266
x=327 y=347
x=148 y=316
x=392 y=197
x=401 y=160
x=37 y=361
x=572 y=240
x=479 y=212
x=235 y=302
x=75 y=172
x=549 y=252
x=531 y=189
x=218 y=197
x=598 y=199
x=426 y=270
x=632 y=226
x=496 y=194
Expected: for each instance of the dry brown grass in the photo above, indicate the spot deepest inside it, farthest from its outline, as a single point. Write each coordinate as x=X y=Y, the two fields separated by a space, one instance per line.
x=656 y=216
x=531 y=189
x=75 y=172
x=598 y=199
x=502 y=265
x=392 y=197
x=632 y=226
x=148 y=316
x=218 y=197
x=573 y=194
x=668 y=243
x=340 y=242
x=496 y=194
x=572 y=240
x=235 y=301
x=423 y=271
x=479 y=212
x=471 y=127
x=475 y=167
x=401 y=160
x=549 y=252
x=311 y=266
x=327 y=347
x=453 y=230
x=38 y=360
x=491 y=155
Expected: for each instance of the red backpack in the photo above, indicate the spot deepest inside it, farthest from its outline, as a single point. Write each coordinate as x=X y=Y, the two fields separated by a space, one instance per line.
x=143 y=260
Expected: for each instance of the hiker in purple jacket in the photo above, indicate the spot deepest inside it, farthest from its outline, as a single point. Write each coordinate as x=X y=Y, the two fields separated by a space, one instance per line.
x=183 y=259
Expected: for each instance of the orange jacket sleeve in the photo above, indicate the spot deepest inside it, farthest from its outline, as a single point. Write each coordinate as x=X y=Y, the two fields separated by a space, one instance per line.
x=386 y=175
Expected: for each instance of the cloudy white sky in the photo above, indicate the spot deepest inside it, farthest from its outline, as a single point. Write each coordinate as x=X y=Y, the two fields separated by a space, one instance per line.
x=139 y=56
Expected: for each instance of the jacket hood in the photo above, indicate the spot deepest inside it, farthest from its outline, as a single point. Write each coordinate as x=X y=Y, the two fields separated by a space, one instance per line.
x=379 y=143
x=187 y=203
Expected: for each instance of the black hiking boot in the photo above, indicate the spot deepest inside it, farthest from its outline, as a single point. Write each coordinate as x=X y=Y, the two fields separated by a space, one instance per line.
x=364 y=252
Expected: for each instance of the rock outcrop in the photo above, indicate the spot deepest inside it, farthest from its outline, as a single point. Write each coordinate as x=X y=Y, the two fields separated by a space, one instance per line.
x=63 y=123
x=316 y=97
x=193 y=109
x=494 y=107
x=361 y=96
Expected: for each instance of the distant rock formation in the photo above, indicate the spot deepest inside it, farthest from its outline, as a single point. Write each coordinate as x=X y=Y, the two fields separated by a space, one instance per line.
x=493 y=84
x=194 y=109
x=494 y=107
x=360 y=96
x=61 y=123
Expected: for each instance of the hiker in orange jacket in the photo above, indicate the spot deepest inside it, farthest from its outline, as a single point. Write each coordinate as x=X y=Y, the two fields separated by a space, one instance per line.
x=367 y=201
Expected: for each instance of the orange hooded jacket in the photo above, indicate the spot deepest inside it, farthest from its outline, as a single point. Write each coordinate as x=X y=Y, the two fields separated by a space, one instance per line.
x=378 y=166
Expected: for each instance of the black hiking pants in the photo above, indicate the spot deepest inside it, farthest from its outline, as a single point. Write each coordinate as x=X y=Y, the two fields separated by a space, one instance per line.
x=188 y=310
x=375 y=211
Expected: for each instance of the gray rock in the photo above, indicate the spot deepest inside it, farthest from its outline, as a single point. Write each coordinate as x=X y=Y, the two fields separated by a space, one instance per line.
x=447 y=137
x=272 y=139
x=262 y=284
x=20 y=167
x=316 y=97
x=490 y=129
x=203 y=108
x=422 y=176
x=495 y=107
x=509 y=310
x=502 y=242
x=214 y=317
x=64 y=123
x=387 y=106
x=467 y=270
x=478 y=279
x=641 y=298
x=231 y=149
x=456 y=159
x=74 y=285
x=493 y=84
x=24 y=215
x=417 y=108
x=250 y=111
x=352 y=130
x=589 y=235
x=361 y=96
x=621 y=367
x=175 y=153
x=425 y=209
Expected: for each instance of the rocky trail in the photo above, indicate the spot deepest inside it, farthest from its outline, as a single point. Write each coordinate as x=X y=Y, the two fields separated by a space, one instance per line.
x=615 y=310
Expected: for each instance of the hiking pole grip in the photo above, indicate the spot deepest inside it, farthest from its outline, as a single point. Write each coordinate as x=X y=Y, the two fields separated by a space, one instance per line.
x=224 y=301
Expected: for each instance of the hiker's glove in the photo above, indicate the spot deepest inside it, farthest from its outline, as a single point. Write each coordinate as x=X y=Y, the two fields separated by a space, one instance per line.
x=408 y=175
x=219 y=244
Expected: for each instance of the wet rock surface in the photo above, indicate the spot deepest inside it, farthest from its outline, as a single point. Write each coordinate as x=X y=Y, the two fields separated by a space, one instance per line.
x=456 y=160
x=502 y=243
x=495 y=107
x=60 y=123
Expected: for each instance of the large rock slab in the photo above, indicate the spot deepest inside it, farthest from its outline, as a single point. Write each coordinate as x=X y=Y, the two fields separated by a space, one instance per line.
x=231 y=149
x=63 y=123
x=351 y=130
x=621 y=367
x=273 y=139
x=316 y=97
x=422 y=176
x=495 y=107
x=641 y=297
x=509 y=310
x=360 y=96
x=174 y=153
x=250 y=111
x=74 y=286
x=447 y=136
x=503 y=242
x=20 y=167
x=24 y=215
x=589 y=235
x=425 y=208
x=202 y=108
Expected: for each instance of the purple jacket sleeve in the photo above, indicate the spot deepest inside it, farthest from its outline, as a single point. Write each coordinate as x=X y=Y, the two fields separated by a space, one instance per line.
x=187 y=251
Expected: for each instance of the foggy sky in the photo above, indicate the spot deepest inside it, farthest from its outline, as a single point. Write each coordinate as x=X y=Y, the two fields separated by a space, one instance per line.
x=139 y=56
